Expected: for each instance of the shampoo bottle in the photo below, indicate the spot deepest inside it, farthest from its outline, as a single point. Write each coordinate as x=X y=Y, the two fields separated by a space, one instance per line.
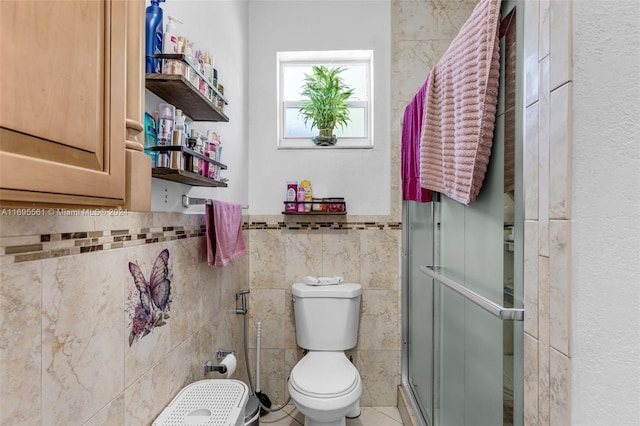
x=170 y=39
x=153 y=37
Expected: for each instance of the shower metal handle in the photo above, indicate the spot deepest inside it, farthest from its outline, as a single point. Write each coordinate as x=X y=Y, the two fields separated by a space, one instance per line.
x=508 y=314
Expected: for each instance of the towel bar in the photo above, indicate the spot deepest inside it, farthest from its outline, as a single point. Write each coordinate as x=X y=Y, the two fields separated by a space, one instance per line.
x=508 y=314
x=193 y=201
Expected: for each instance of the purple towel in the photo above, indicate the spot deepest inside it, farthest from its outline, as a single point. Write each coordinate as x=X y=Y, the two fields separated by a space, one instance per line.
x=224 y=233
x=411 y=138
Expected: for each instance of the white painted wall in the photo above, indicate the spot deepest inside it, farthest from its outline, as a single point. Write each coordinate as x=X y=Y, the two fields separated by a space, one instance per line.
x=219 y=26
x=606 y=219
x=362 y=177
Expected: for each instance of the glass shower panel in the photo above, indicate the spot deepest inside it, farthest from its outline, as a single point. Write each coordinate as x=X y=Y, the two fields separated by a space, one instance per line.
x=420 y=300
x=469 y=356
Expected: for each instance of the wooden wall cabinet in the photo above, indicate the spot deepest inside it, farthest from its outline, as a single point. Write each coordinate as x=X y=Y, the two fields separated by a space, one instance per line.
x=65 y=100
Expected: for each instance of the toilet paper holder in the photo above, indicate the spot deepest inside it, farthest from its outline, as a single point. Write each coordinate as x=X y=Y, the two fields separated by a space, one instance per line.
x=220 y=368
x=221 y=353
x=209 y=367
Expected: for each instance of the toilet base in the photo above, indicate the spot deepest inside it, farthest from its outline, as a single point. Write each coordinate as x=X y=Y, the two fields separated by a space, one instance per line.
x=354 y=413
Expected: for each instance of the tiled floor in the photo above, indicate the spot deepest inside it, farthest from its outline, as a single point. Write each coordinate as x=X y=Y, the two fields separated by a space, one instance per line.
x=370 y=416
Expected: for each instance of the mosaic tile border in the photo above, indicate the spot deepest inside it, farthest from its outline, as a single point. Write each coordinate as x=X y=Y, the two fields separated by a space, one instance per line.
x=46 y=246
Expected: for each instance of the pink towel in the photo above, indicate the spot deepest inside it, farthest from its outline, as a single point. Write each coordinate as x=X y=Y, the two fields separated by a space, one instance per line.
x=411 y=131
x=460 y=108
x=225 y=243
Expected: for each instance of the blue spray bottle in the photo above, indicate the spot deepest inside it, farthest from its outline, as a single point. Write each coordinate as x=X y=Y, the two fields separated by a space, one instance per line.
x=153 y=37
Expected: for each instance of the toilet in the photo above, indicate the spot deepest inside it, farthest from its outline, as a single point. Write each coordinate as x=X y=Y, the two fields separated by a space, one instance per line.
x=324 y=385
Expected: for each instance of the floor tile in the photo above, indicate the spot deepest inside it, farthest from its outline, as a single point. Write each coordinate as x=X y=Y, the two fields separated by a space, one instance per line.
x=370 y=416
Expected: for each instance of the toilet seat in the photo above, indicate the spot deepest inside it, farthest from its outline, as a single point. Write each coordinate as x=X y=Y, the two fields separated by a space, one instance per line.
x=324 y=375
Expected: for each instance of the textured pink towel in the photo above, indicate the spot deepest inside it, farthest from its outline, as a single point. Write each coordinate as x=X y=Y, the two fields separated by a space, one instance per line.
x=225 y=243
x=460 y=108
x=411 y=131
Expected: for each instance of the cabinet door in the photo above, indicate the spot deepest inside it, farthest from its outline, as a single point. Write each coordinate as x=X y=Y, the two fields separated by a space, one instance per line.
x=62 y=101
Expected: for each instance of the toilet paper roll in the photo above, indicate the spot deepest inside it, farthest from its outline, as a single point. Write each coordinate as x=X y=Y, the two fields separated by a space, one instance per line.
x=230 y=362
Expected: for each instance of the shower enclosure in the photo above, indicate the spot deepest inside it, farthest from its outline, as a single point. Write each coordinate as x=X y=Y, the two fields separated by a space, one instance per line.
x=463 y=278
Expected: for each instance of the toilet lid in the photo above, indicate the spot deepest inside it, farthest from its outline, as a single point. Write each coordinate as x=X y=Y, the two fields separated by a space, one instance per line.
x=324 y=374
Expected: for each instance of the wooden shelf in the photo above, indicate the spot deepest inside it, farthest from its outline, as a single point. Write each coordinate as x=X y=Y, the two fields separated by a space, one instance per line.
x=179 y=92
x=176 y=90
x=182 y=176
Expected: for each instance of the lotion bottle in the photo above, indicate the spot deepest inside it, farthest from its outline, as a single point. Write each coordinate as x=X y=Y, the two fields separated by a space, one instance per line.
x=170 y=39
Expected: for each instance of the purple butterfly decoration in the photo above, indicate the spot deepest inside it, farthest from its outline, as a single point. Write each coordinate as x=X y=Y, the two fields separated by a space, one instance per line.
x=154 y=297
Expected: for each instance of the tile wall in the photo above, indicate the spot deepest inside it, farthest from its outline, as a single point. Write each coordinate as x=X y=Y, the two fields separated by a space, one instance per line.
x=65 y=290
x=547 y=187
x=363 y=252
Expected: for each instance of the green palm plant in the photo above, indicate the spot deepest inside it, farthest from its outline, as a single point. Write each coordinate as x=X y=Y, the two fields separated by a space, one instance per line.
x=325 y=105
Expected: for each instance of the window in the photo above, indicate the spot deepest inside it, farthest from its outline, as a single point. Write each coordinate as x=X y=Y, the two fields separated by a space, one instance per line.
x=358 y=74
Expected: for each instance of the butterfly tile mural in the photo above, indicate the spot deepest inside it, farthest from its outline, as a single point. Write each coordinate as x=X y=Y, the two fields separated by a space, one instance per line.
x=150 y=302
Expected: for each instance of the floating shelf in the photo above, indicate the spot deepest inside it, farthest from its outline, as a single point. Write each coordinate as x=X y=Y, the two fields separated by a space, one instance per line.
x=183 y=176
x=176 y=90
x=329 y=204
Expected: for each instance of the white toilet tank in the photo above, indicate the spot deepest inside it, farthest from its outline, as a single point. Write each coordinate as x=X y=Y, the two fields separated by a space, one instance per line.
x=327 y=316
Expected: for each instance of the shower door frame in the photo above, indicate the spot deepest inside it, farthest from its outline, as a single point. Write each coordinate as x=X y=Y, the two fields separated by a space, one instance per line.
x=507 y=7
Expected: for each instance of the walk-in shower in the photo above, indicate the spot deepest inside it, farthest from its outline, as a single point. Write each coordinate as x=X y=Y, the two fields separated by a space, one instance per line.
x=463 y=278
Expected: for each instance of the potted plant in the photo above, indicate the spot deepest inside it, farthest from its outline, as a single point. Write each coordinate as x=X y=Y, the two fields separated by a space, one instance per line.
x=326 y=104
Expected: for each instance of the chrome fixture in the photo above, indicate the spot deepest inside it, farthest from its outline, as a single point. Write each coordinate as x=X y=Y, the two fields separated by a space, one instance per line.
x=243 y=301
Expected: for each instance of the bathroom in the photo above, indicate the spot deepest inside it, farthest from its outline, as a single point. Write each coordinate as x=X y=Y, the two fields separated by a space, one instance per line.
x=66 y=287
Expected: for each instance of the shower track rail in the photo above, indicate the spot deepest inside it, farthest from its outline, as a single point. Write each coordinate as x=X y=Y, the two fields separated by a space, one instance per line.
x=505 y=314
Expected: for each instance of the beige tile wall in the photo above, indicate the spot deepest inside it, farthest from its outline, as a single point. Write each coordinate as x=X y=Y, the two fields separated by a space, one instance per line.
x=547 y=171
x=362 y=253
x=64 y=341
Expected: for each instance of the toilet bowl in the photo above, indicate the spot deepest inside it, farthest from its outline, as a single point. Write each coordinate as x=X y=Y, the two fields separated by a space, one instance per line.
x=326 y=388
x=324 y=385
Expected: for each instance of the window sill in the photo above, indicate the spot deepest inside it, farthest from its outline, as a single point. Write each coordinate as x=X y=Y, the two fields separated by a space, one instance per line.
x=341 y=144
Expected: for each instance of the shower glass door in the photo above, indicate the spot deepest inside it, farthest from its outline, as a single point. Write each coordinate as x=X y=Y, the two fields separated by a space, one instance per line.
x=418 y=305
x=463 y=270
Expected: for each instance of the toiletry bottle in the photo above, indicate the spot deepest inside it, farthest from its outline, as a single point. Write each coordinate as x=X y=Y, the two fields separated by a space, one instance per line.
x=300 y=198
x=153 y=37
x=181 y=126
x=166 y=120
x=292 y=190
x=150 y=137
x=308 y=194
x=176 y=156
x=170 y=39
x=216 y=149
x=195 y=137
x=188 y=158
x=208 y=74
